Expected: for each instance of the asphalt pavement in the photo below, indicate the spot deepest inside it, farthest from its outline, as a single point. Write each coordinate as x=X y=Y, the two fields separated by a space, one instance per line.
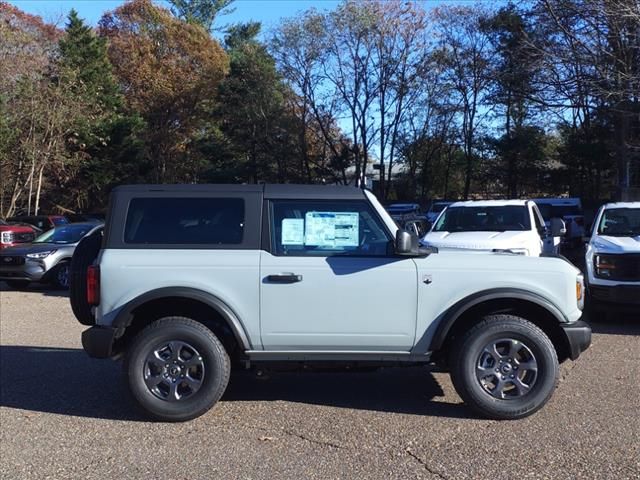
x=64 y=415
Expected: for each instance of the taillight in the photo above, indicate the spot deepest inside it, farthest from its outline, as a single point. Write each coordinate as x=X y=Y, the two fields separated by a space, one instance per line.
x=93 y=285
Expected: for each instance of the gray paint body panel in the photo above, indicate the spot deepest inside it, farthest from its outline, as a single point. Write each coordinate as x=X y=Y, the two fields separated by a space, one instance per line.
x=371 y=306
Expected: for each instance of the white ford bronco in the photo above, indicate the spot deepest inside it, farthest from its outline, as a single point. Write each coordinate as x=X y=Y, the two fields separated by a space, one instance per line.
x=190 y=279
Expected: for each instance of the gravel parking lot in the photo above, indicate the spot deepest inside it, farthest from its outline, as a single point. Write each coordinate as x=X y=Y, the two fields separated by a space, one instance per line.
x=63 y=415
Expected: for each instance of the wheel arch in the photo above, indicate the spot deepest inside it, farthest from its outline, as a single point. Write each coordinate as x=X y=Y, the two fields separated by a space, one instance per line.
x=529 y=305
x=53 y=269
x=199 y=305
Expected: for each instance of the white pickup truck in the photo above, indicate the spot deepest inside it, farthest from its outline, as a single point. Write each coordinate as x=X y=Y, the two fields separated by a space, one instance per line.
x=613 y=258
x=515 y=226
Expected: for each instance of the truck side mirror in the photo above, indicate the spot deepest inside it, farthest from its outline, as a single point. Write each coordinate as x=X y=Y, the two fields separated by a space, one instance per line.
x=406 y=243
x=558 y=227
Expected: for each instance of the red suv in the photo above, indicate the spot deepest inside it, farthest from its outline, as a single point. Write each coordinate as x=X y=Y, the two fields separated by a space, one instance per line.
x=11 y=235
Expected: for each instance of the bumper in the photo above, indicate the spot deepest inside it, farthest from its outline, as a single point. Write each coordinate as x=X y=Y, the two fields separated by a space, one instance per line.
x=619 y=294
x=579 y=337
x=98 y=341
x=31 y=271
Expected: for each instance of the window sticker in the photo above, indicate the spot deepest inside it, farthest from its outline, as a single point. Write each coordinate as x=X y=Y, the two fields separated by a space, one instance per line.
x=332 y=229
x=292 y=231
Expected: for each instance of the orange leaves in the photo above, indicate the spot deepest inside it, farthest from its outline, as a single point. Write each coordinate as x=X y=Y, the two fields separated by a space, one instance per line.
x=161 y=61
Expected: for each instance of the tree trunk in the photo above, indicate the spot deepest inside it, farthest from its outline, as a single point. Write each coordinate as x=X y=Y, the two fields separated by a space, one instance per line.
x=37 y=208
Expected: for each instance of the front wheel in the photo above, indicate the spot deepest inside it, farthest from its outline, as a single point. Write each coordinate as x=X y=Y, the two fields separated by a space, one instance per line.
x=504 y=367
x=60 y=276
x=177 y=369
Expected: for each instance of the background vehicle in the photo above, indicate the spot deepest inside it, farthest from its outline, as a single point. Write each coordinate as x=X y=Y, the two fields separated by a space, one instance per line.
x=435 y=209
x=190 y=278
x=613 y=258
x=43 y=222
x=85 y=217
x=494 y=225
x=12 y=234
x=569 y=210
x=407 y=216
x=47 y=259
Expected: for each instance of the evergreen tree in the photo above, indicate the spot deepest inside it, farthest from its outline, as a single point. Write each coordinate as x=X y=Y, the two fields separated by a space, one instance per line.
x=251 y=106
x=521 y=147
x=83 y=56
x=103 y=145
x=202 y=12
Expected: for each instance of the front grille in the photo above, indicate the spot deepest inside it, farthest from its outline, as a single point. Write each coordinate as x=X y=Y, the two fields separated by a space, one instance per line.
x=619 y=294
x=27 y=237
x=11 y=260
x=627 y=267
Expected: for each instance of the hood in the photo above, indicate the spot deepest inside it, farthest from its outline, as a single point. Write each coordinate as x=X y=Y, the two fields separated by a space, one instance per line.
x=21 y=250
x=16 y=228
x=477 y=240
x=606 y=243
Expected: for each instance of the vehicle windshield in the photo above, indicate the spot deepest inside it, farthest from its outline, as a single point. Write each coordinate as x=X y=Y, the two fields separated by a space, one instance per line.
x=57 y=221
x=549 y=211
x=620 y=222
x=484 y=219
x=64 y=235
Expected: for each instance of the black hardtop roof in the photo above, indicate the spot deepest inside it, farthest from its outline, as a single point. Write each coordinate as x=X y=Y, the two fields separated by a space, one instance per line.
x=281 y=191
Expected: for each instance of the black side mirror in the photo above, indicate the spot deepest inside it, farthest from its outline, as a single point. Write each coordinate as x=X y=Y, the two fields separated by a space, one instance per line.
x=558 y=227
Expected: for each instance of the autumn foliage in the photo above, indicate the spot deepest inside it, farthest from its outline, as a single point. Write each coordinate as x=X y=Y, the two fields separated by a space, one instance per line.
x=419 y=101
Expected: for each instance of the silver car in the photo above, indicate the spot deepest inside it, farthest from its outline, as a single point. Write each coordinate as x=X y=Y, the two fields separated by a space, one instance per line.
x=47 y=259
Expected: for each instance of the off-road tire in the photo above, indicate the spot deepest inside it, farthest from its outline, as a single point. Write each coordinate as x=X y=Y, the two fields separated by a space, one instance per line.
x=214 y=357
x=465 y=363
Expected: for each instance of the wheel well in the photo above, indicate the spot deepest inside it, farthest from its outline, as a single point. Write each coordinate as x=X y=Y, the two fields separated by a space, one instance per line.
x=153 y=310
x=530 y=311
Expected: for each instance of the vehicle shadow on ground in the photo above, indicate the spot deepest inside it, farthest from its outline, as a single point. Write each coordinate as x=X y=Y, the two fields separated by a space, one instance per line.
x=394 y=390
x=65 y=381
x=39 y=288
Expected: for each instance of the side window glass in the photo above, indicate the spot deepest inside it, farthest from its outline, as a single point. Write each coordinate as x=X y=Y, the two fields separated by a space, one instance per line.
x=318 y=228
x=189 y=221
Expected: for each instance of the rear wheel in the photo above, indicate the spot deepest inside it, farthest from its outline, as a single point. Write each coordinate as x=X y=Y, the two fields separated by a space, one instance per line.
x=177 y=369
x=504 y=367
x=18 y=284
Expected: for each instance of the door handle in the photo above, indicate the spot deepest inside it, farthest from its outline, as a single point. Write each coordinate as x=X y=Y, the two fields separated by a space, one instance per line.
x=284 y=278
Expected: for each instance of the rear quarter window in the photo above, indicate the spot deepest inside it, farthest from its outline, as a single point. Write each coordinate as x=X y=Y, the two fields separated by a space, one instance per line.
x=189 y=221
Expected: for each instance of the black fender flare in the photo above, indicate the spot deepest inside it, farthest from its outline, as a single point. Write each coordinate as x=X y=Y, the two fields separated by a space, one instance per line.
x=459 y=308
x=125 y=315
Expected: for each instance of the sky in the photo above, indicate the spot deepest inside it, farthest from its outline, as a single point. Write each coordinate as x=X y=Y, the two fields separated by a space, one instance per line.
x=268 y=12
